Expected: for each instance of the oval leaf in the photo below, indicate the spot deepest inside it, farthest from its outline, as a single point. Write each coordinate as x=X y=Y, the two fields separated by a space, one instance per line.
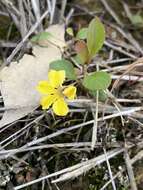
x=95 y=36
x=102 y=95
x=41 y=36
x=82 y=34
x=97 y=81
x=64 y=65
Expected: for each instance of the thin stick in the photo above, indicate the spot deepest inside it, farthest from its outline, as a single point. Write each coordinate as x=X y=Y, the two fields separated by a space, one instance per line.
x=127 y=77
x=111 y=12
x=130 y=171
x=68 y=17
x=137 y=157
x=53 y=11
x=95 y=126
x=119 y=49
x=49 y=6
x=23 y=25
x=21 y=130
x=132 y=66
x=64 y=2
x=36 y=9
x=48 y=146
x=114 y=177
x=18 y=47
x=110 y=61
x=129 y=37
x=109 y=169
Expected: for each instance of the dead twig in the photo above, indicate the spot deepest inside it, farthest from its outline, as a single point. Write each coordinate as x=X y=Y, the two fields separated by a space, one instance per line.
x=130 y=170
x=111 y=12
x=109 y=169
x=132 y=66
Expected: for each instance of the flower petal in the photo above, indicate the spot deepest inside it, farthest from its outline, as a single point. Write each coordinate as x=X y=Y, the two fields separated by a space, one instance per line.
x=56 y=78
x=60 y=107
x=45 y=88
x=47 y=101
x=70 y=92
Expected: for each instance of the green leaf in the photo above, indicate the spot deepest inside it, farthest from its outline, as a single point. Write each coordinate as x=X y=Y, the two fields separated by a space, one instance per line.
x=82 y=34
x=41 y=36
x=136 y=19
x=97 y=81
x=64 y=65
x=95 y=36
x=77 y=59
x=102 y=95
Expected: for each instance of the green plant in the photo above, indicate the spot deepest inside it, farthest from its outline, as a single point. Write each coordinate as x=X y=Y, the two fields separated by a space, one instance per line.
x=88 y=42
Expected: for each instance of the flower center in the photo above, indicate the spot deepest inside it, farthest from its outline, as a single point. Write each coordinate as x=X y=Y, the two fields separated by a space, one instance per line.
x=60 y=93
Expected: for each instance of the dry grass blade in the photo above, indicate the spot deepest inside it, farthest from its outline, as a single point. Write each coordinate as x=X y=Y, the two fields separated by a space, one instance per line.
x=11 y=6
x=95 y=116
x=129 y=37
x=130 y=171
x=48 y=146
x=23 y=24
x=109 y=169
x=36 y=9
x=95 y=125
x=111 y=12
x=53 y=7
x=114 y=177
x=130 y=67
x=64 y=3
x=137 y=157
x=119 y=49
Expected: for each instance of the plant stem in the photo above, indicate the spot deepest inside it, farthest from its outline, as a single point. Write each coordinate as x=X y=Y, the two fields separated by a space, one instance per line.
x=84 y=70
x=94 y=133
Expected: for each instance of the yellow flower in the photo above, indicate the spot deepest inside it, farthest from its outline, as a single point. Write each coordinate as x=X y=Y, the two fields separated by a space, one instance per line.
x=55 y=94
